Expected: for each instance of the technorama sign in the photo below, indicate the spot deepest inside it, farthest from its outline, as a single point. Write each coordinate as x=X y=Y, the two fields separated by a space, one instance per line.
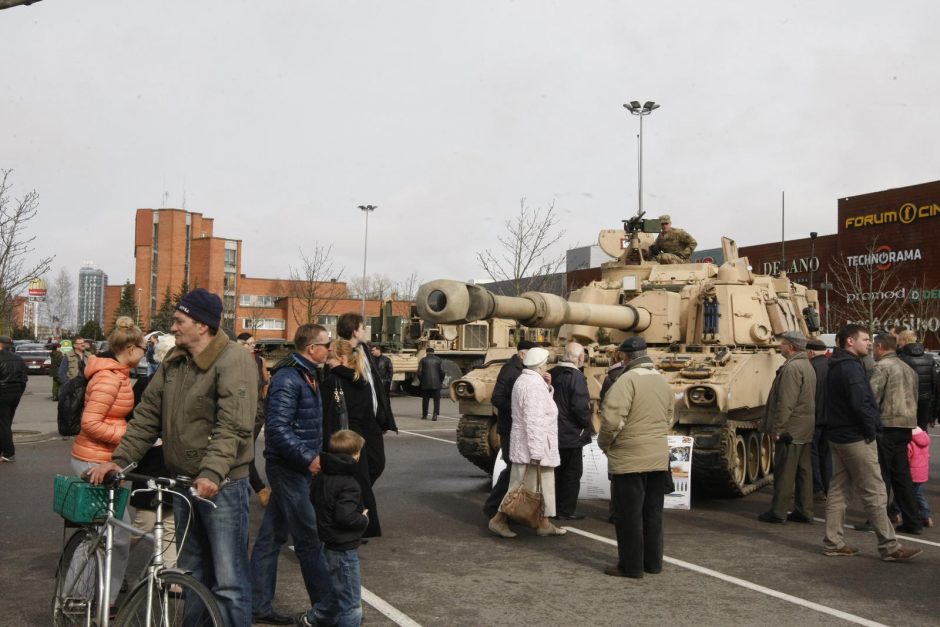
x=908 y=213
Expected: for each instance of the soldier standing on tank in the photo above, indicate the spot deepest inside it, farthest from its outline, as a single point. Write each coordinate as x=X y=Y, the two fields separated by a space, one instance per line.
x=895 y=386
x=822 y=459
x=502 y=401
x=672 y=245
x=791 y=420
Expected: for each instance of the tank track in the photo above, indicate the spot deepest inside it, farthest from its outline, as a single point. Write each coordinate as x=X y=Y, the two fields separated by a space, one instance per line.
x=473 y=441
x=711 y=465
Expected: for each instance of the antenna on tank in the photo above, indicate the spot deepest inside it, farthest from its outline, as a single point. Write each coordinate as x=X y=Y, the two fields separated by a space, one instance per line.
x=783 y=220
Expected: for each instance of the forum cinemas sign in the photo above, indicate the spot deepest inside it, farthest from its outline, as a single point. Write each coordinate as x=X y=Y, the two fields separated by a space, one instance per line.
x=907 y=213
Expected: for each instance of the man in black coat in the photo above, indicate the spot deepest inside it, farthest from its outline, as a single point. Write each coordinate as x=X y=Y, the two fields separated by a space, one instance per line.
x=384 y=365
x=822 y=458
x=574 y=429
x=854 y=422
x=502 y=401
x=431 y=378
x=911 y=352
x=13 y=377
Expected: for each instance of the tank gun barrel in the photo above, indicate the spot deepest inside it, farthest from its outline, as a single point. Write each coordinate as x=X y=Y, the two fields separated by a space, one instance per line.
x=455 y=302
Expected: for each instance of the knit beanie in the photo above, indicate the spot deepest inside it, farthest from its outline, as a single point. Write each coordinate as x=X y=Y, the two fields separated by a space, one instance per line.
x=202 y=306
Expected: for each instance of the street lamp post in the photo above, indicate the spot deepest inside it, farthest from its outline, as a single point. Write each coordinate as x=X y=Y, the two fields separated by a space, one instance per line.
x=365 y=252
x=635 y=108
x=812 y=255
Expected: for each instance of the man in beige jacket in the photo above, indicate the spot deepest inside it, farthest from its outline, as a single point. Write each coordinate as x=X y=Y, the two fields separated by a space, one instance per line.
x=791 y=421
x=635 y=418
x=894 y=384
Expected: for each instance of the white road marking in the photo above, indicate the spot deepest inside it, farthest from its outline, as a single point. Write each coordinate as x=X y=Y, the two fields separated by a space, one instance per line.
x=447 y=429
x=747 y=584
x=421 y=435
x=908 y=538
x=396 y=616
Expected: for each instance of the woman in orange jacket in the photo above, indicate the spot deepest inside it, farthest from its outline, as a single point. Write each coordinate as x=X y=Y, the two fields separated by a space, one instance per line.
x=109 y=398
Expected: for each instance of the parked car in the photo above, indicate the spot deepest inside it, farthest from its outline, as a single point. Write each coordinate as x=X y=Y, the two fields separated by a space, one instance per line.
x=36 y=356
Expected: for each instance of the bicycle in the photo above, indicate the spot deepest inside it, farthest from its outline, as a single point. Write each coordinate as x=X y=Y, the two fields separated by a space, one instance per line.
x=163 y=596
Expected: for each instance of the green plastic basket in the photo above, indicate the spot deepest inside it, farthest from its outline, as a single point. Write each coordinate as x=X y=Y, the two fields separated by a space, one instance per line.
x=81 y=502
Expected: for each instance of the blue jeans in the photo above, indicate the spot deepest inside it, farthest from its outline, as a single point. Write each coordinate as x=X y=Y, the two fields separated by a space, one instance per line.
x=344 y=608
x=216 y=548
x=922 y=501
x=289 y=511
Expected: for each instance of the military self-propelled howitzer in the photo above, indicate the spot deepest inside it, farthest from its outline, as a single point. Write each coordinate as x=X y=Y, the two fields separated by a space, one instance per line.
x=711 y=330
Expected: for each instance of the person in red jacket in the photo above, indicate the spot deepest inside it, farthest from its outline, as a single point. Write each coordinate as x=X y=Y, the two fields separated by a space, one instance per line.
x=109 y=398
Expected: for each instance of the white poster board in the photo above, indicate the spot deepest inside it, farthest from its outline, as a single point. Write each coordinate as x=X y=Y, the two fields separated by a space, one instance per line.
x=596 y=485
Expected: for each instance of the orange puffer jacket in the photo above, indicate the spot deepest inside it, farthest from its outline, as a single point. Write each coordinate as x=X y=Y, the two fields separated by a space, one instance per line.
x=109 y=398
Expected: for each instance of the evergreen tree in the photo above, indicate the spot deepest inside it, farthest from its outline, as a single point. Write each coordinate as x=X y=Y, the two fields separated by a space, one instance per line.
x=184 y=290
x=127 y=306
x=164 y=318
x=91 y=330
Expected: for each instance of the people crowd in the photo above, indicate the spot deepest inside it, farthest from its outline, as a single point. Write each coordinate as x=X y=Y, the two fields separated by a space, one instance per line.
x=839 y=431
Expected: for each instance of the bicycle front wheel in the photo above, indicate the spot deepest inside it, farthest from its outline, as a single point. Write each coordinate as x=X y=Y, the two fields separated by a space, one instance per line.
x=178 y=599
x=78 y=581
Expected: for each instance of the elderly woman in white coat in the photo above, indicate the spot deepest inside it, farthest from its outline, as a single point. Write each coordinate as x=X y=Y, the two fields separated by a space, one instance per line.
x=533 y=442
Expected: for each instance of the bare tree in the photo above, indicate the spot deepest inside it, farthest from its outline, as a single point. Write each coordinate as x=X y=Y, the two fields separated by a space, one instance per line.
x=924 y=308
x=59 y=304
x=312 y=285
x=409 y=287
x=868 y=289
x=375 y=287
x=524 y=259
x=15 y=246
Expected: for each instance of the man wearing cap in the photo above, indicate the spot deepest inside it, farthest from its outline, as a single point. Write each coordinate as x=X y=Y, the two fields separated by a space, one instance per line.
x=502 y=401
x=894 y=384
x=202 y=403
x=635 y=419
x=13 y=378
x=790 y=418
x=672 y=245
x=821 y=457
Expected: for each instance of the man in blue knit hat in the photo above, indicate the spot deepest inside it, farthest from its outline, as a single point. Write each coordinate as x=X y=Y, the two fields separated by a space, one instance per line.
x=202 y=402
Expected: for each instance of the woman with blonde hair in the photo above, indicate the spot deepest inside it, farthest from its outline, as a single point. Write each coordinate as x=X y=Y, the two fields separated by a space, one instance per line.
x=109 y=398
x=347 y=404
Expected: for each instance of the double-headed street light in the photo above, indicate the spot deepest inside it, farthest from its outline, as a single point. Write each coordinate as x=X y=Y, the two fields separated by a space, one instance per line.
x=365 y=252
x=643 y=110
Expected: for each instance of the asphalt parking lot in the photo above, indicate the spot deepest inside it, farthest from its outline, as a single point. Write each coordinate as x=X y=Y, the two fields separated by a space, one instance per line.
x=437 y=563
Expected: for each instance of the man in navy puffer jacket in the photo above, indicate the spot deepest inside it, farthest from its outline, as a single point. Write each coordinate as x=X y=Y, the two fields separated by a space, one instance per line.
x=293 y=442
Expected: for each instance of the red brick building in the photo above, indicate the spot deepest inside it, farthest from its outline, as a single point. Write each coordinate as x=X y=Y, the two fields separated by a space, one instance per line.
x=173 y=245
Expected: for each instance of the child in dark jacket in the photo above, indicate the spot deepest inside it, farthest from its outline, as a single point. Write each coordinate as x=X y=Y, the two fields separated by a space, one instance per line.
x=341 y=521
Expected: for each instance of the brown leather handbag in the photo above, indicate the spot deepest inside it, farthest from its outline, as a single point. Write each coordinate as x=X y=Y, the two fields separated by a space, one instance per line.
x=523 y=505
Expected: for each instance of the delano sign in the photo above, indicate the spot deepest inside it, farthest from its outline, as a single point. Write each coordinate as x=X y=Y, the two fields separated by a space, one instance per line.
x=908 y=213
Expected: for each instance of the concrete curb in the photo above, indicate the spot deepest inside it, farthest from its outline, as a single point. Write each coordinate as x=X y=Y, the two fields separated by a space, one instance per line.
x=35 y=436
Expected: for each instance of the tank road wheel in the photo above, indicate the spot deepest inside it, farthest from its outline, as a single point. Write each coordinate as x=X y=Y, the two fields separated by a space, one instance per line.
x=753 y=456
x=737 y=458
x=766 y=455
x=477 y=440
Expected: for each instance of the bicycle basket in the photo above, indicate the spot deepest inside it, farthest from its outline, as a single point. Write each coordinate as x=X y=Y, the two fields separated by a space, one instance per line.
x=83 y=503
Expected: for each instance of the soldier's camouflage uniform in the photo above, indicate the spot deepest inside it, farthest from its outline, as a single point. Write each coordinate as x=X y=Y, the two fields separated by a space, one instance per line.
x=676 y=246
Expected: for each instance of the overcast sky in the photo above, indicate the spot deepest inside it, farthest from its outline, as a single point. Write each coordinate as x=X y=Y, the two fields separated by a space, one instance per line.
x=278 y=118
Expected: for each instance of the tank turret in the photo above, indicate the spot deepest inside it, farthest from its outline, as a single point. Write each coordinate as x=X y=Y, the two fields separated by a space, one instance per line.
x=711 y=330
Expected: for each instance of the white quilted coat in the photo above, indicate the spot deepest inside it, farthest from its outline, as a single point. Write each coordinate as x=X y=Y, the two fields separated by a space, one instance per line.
x=534 y=432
